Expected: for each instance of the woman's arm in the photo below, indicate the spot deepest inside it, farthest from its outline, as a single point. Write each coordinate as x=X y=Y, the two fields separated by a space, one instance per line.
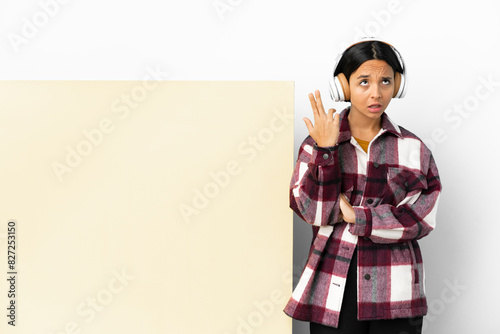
x=316 y=184
x=413 y=218
x=316 y=180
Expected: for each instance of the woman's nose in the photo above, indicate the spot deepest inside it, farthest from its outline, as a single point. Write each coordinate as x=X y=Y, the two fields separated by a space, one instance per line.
x=375 y=91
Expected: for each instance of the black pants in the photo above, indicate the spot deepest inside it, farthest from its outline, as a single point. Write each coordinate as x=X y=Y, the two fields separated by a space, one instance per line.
x=348 y=322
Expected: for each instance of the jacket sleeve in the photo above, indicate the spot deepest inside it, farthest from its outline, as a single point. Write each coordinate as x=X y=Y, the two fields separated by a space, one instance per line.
x=413 y=218
x=316 y=184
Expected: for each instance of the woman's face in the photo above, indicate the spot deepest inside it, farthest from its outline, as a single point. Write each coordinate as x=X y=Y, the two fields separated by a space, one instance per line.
x=372 y=87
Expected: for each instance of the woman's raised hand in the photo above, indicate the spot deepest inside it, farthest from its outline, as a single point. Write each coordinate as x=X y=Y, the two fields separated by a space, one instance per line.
x=325 y=130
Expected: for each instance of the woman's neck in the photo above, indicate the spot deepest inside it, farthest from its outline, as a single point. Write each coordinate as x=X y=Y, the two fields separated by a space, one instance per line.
x=363 y=127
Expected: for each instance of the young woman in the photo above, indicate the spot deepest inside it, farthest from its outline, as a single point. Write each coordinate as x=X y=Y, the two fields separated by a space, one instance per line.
x=370 y=190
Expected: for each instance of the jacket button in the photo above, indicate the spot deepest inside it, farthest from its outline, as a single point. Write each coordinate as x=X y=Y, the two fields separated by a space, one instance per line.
x=325 y=156
x=367 y=277
x=369 y=200
x=375 y=164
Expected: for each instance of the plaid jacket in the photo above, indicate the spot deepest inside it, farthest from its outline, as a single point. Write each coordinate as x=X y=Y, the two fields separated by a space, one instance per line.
x=394 y=190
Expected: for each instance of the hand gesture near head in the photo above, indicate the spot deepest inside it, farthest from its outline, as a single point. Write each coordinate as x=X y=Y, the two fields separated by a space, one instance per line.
x=325 y=130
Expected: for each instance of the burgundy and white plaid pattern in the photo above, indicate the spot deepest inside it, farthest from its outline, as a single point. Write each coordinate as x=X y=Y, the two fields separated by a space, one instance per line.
x=394 y=190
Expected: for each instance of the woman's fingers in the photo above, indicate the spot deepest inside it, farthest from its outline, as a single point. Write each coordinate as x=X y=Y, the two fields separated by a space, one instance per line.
x=308 y=124
x=330 y=113
x=316 y=103
x=346 y=209
x=336 y=122
x=343 y=204
x=319 y=103
x=325 y=129
x=313 y=106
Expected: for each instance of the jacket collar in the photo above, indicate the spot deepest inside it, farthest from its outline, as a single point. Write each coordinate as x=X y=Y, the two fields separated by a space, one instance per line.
x=345 y=131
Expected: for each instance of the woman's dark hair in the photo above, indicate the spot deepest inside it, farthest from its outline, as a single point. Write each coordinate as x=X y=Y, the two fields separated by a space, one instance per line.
x=357 y=54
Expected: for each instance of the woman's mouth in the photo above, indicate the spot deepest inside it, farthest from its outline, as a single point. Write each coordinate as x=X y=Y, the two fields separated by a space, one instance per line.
x=376 y=107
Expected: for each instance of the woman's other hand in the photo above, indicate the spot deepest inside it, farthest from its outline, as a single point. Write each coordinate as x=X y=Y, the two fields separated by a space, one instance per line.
x=347 y=210
x=325 y=130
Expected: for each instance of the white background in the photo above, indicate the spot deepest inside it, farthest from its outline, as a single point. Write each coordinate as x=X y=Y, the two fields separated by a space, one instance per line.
x=451 y=50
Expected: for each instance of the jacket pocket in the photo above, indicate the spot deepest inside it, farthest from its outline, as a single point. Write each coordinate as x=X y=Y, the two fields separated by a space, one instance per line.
x=418 y=274
x=404 y=185
x=404 y=279
x=335 y=293
x=414 y=264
